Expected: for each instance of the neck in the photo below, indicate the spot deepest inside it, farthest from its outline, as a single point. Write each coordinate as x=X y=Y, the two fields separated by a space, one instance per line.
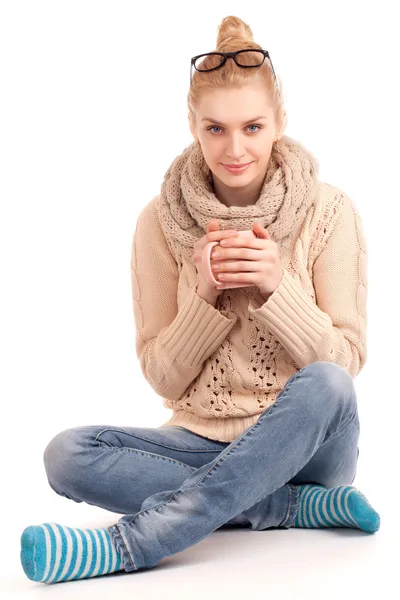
x=240 y=196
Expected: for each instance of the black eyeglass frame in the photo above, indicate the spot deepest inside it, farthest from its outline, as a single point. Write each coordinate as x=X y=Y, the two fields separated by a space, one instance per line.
x=232 y=55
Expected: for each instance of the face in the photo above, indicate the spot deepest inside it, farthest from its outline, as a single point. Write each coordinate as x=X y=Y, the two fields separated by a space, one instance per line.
x=229 y=133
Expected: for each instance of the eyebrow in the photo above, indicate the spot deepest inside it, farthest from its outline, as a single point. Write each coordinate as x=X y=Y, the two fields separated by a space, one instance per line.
x=246 y=122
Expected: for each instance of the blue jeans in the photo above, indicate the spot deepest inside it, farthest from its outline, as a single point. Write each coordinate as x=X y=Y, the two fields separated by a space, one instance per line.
x=176 y=487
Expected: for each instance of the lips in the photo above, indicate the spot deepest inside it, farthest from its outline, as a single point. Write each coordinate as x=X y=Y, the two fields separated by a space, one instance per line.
x=237 y=169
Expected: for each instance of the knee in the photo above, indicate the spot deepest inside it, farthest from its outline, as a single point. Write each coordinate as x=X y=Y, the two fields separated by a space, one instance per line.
x=333 y=387
x=59 y=459
x=333 y=375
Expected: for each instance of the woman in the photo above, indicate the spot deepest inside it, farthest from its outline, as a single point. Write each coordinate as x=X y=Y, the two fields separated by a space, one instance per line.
x=256 y=364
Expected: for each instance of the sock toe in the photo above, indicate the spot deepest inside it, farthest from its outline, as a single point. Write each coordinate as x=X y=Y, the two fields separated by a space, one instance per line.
x=341 y=506
x=52 y=553
x=365 y=516
x=33 y=552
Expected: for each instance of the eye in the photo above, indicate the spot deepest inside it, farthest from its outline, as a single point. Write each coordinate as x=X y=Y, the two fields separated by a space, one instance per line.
x=259 y=126
x=213 y=127
x=218 y=127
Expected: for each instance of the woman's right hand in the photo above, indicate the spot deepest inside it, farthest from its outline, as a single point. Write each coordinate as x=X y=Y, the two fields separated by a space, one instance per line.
x=213 y=235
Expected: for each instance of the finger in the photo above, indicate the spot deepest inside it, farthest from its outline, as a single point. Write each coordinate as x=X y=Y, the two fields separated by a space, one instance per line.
x=260 y=232
x=238 y=284
x=244 y=242
x=234 y=266
x=217 y=236
x=213 y=225
x=246 y=254
x=245 y=278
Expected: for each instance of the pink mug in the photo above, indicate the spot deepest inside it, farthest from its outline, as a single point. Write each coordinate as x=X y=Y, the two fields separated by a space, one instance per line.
x=206 y=263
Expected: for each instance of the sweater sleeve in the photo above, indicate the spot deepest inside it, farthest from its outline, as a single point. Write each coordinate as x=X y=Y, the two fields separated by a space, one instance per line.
x=334 y=328
x=172 y=342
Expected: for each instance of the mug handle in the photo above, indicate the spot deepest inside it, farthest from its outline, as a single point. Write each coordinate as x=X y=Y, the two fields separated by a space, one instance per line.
x=206 y=263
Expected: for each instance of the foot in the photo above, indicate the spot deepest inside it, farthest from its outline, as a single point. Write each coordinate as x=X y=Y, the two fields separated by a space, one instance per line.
x=51 y=553
x=342 y=506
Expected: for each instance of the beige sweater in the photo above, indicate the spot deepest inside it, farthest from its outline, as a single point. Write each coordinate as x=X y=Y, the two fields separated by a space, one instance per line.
x=219 y=368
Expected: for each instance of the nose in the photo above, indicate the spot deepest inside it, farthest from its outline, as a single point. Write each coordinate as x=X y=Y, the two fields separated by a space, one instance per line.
x=235 y=148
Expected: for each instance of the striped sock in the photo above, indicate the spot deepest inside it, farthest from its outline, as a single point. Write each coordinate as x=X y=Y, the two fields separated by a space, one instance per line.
x=51 y=553
x=342 y=506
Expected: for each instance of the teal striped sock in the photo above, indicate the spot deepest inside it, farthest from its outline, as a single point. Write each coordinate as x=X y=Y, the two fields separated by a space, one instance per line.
x=51 y=553
x=342 y=506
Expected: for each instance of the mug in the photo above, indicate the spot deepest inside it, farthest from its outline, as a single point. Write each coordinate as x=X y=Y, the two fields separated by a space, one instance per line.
x=206 y=263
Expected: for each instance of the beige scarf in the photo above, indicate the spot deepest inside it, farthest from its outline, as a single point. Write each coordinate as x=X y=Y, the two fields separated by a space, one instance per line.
x=187 y=202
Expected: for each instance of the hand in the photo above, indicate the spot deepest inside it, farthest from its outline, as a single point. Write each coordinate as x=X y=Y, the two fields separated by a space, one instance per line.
x=250 y=261
x=213 y=235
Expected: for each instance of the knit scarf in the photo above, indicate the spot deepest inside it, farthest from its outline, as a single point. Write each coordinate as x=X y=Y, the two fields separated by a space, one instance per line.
x=187 y=202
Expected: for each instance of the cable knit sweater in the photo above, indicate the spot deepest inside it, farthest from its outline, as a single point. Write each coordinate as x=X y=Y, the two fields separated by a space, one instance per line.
x=218 y=368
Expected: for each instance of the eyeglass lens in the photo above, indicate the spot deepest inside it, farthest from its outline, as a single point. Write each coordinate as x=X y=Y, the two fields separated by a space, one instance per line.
x=249 y=58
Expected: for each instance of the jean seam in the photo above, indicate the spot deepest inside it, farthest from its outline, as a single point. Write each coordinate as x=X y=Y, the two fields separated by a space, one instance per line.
x=149 y=454
x=289 y=506
x=119 y=538
x=139 y=437
x=294 y=501
x=352 y=421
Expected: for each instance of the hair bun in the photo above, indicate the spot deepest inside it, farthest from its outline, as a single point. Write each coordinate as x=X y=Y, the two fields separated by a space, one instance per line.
x=233 y=29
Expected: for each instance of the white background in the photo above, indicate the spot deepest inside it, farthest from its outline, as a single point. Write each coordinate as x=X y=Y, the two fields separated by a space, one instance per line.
x=92 y=113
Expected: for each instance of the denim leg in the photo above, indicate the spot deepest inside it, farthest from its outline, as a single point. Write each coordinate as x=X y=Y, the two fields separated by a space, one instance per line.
x=334 y=464
x=316 y=403
x=125 y=469
x=117 y=468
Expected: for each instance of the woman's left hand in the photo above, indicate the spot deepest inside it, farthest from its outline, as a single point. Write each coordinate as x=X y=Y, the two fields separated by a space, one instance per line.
x=257 y=261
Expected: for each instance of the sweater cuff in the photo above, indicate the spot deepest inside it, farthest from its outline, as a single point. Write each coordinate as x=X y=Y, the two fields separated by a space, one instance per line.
x=197 y=331
x=293 y=318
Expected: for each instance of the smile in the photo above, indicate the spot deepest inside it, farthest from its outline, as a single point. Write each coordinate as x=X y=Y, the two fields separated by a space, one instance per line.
x=237 y=169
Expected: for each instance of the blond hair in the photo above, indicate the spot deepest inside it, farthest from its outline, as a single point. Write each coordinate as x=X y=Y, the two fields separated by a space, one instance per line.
x=234 y=34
